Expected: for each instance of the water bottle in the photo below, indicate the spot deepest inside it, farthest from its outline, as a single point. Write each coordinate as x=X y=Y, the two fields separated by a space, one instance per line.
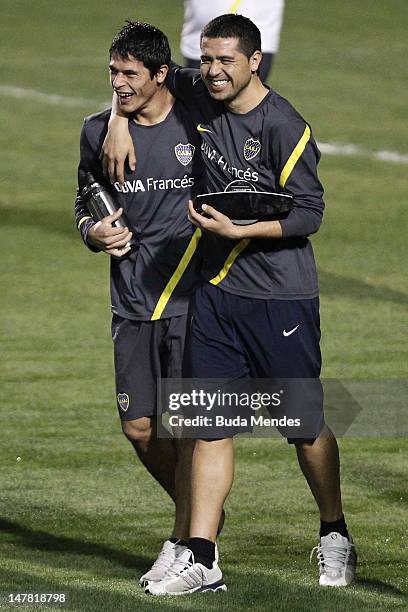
x=100 y=203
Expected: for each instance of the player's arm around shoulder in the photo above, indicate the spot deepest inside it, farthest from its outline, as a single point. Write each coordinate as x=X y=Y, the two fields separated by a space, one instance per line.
x=185 y=83
x=117 y=146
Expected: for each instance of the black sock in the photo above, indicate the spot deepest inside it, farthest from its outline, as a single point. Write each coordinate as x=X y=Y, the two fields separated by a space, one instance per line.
x=203 y=551
x=178 y=541
x=183 y=543
x=337 y=526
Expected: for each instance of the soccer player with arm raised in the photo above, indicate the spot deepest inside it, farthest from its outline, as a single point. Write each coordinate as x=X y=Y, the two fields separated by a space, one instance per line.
x=260 y=304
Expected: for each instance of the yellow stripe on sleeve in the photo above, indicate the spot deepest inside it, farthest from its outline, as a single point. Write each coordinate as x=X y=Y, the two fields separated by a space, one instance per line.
x=294 y=156
x=238 y=248
x=234 y=7
x=178 y=273
x=81 y=221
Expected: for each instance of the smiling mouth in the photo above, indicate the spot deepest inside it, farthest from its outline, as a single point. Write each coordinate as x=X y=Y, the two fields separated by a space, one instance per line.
x=217 y=85
x=123 y=95
x=218 y=82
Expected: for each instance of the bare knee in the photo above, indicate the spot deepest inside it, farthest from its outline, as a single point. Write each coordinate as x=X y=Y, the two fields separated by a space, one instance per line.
x=214 y=446
x=138 y=431
x=325 y=442
x=304 y=445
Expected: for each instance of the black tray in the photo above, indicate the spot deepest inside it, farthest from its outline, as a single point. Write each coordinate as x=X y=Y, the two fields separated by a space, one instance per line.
x=246 y=205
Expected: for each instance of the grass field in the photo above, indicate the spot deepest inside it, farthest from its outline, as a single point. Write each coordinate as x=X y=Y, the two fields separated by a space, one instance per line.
x=77 y=513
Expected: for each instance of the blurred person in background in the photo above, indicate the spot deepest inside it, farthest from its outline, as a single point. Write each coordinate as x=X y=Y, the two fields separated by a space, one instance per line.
x=267 y=14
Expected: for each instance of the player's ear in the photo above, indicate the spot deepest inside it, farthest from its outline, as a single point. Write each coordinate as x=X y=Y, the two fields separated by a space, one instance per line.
x=254 y=61
x=162 y=73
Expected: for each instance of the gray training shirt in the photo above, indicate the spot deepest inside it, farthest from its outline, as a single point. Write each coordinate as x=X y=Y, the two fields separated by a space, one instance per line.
x=272 y=148
x=156 y=280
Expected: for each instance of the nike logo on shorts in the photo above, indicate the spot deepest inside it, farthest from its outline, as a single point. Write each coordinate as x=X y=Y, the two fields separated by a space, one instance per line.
x=289 y=333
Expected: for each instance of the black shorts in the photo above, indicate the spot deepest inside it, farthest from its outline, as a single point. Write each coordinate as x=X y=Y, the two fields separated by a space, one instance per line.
x=234 y=337
x=145 y=351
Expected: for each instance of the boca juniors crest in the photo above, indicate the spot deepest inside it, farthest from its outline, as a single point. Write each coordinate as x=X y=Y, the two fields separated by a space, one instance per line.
x=251 y=148
x=123 y=401
x=184 y=153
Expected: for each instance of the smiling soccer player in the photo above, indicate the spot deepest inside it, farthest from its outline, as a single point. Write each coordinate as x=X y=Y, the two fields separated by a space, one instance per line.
x=258 y=313
x=152 y=284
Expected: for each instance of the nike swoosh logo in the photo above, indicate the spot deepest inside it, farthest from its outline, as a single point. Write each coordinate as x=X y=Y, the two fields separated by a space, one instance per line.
x=289 y=333
x=201 y=128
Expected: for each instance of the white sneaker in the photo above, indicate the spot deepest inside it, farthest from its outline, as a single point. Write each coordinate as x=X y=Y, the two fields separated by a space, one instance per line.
x=166 y=558
x=186 y=576
x=337 y=560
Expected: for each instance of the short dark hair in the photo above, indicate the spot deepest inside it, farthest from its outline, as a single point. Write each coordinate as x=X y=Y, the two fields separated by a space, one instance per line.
x=145 y=43
x=235 y=26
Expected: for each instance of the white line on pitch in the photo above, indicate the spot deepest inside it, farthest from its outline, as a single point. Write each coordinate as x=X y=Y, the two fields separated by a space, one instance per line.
x=328 y=148
x=351 y=150
x=46 y=98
